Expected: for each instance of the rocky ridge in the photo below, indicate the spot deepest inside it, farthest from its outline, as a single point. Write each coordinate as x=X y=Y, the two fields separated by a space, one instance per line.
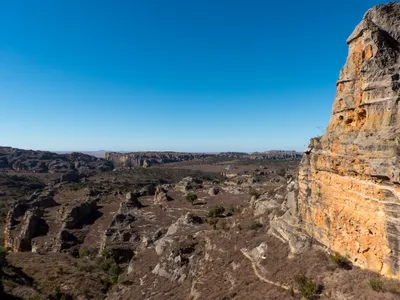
x=147 y=159
x=44 y=161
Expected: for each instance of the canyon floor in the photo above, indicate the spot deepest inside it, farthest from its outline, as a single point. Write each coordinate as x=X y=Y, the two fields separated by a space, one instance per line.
x=196 y=229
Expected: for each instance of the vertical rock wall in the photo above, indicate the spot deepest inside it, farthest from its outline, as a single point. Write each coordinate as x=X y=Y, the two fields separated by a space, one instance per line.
x=349 y=179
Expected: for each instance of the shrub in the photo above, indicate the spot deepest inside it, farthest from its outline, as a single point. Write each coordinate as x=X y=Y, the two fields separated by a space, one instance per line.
x=108 y=253
x=339 y=261
x=376 y=284
x=191 y=197
x=114 y=272
x=216 y=212
x=84 y=253
x=281 y=172
x=85 y=268
x=106 y=264
x=77 y=186
x=307 y=287
x=230 y=211
x=213 y=222
x=254 y=225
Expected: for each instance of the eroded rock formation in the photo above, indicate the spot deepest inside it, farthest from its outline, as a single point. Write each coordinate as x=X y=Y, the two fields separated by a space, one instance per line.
x=349 y=179
x=147 y=159
x=44 y=161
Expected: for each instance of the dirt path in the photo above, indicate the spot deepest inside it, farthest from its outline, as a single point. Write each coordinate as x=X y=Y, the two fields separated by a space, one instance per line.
x=262 y=278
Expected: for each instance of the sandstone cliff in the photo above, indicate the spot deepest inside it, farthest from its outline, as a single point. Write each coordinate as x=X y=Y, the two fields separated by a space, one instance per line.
x=349 y=179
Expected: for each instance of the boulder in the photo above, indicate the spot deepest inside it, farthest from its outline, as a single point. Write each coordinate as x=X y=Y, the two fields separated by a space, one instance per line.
x=213 y=191
x=161 y=195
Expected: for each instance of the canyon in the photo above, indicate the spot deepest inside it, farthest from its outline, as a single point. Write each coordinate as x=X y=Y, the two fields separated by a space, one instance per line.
x=266 y=225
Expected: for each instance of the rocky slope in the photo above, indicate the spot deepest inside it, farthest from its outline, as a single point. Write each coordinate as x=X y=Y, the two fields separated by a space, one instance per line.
x=349 y=179
x=44 y=161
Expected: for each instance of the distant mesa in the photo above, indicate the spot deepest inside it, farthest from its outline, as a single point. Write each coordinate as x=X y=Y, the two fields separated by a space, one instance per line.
x=147 y=159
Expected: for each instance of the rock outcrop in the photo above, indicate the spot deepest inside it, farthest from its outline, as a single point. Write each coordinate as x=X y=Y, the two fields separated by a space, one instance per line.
x=122 y=237
x=147 y=159
x=349 y=179
x=23 y=221
x=74 y=217
x=27 y=230
x=44 y=161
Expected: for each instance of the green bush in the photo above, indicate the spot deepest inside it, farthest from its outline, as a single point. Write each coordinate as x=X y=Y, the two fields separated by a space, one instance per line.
x=230 y=211
x=106 y=264
x=77 y=186
x=84 y=253
x=191 y=197
x=213 y=222
x=114 y=272
x=307 y=287
x=339 y=260
x=216 y=212
x=376 y=284
x=254 y=225
x=87 y=268
x=108 y=253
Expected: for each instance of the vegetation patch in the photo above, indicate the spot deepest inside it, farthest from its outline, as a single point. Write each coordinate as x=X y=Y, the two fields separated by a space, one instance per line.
x=216 y=212
x=307 y=287
x=340 y=261
x=254 y=225
x=376 y=284
x=191 y=197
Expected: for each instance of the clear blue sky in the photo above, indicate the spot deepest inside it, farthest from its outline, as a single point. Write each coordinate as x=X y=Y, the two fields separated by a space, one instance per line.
x=205 y=75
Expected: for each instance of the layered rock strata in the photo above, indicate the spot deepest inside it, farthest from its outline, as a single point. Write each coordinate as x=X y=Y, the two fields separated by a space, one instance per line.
x=349 y=179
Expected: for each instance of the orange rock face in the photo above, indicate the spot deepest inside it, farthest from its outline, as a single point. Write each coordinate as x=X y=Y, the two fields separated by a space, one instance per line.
x=349 y=179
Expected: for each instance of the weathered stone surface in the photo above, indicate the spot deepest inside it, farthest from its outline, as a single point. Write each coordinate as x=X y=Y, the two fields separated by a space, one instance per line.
x=185 y=185
x=176 y=249
x=23 y=220
x=74 y=217
x=43 y=161
x=349 y=179
x=213 y=191
x=21 y=239
x=132 y=200
x=80 y=213
x=161 y=195
x=122 y=237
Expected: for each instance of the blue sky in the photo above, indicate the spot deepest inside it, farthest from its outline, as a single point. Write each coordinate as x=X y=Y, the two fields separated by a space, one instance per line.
x=206 y=75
